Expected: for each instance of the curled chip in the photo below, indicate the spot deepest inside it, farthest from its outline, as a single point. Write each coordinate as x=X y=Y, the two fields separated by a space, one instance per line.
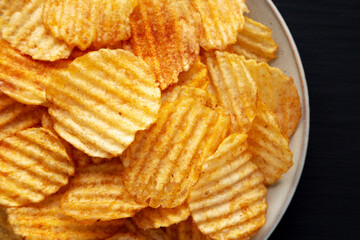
x=270 y=148
x=15 y=116
x=102 y=99
x=161 y=217
x=165 y=161
x=97 y=193
x=222 y=20
x=229 y=200
x=45 y=219
x=255 y=42
x=33 y=165
x=235 y=89
x=166 y=34
x=185 y=230
x=21 y=25
x=85 y=23
x=6 y=231
x=279 y=93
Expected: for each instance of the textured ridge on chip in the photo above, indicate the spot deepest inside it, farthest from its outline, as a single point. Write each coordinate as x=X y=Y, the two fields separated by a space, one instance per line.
x=166 y=34
x=33 y=165
x=102 y=99
x=185 y=230
x=21 y=25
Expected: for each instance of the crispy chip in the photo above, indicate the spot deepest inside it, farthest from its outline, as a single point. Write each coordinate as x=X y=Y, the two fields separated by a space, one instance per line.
x=102 y=99
x=161 y=217
x=6 y=231
x=46 y=220
x=97 y=193
x=234 y=88
x=255 y=42
x=222 y=20
x=3 y=6
x=15 y=116
x=185 y=230
x=21 y=25
x=126 y=236
x=228 y=201
x=166 y=34
x=164 y=162
x=279 y=93
x=33 y=165
x=85 y=23
x=270 y=148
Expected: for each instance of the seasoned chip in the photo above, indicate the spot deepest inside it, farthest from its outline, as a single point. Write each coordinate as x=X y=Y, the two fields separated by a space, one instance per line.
x=222 y=20
x=85 y=23
x=97 y=193
x=255 y=42
x=4 y=5
x=46 y=220
x=21 y=25
x=270 y=148
x=6 y=231
x=33 y=165
x=228 y=201
x=235 y=89
x=101 y=100
x=166 y=34
x=126 y=236
x=165 y=161
x=185 y=230
x=161 y=217
x=279 y=93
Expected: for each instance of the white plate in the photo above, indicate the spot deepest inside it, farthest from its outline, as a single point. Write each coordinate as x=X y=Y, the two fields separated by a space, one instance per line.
x=281 y=193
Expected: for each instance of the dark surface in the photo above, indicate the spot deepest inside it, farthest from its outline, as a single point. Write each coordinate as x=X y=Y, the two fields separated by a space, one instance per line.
x=326 y=204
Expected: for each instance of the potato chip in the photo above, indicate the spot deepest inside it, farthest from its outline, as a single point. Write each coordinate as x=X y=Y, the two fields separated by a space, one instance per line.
x=165 y=161
x=161 y=217
x=126 y=236
x=21 y=25
x=270 y=148
x=84 y=23
x=97 y=193
x=185 y=230
x=222 y=20
x=3 y=6
x=254 y=41
x=229 y=200
x=166 y=34
x=15 y=116
x=234 y=88
x=6 y=231
x=45 y=219
x=279 y=93
x=101 y=100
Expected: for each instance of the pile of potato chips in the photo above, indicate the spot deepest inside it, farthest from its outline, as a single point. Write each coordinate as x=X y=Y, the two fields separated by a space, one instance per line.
x=139 y=119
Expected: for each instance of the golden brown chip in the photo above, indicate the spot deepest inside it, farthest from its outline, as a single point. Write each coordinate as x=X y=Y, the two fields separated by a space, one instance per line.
x=270 y=148
x=222 y=20
x=4 y=5
x=6 y=231
x=166 y=33
x=279 y=93
x=85 y=23
x=254 y=41
x=46 y=220
x=97 y=193
x=229 y=200
x=186 y=230
x=21 y=25
x=102 y=99
x=161 y=217
x=126 y=236
x=33 y=165
x=165 y=161
x=235 y=89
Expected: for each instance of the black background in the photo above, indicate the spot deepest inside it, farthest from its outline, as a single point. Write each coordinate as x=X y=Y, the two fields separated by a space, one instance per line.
x=326 y=204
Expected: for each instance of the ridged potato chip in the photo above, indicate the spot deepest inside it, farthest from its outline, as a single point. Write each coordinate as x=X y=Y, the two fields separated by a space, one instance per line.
x=279 y=93
x=21 y=25
x=45 y=219
x=166 y=34
x=85 y=23
x=229 y=200
x=97 y=193
x=102 y=99
x=161 y=217
x=6 y=231
x=186 y=230
x=222 y=20
x=33 y=164
x=254 y=41
x=270 y=148
x=233 y=86
x=165 y=161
